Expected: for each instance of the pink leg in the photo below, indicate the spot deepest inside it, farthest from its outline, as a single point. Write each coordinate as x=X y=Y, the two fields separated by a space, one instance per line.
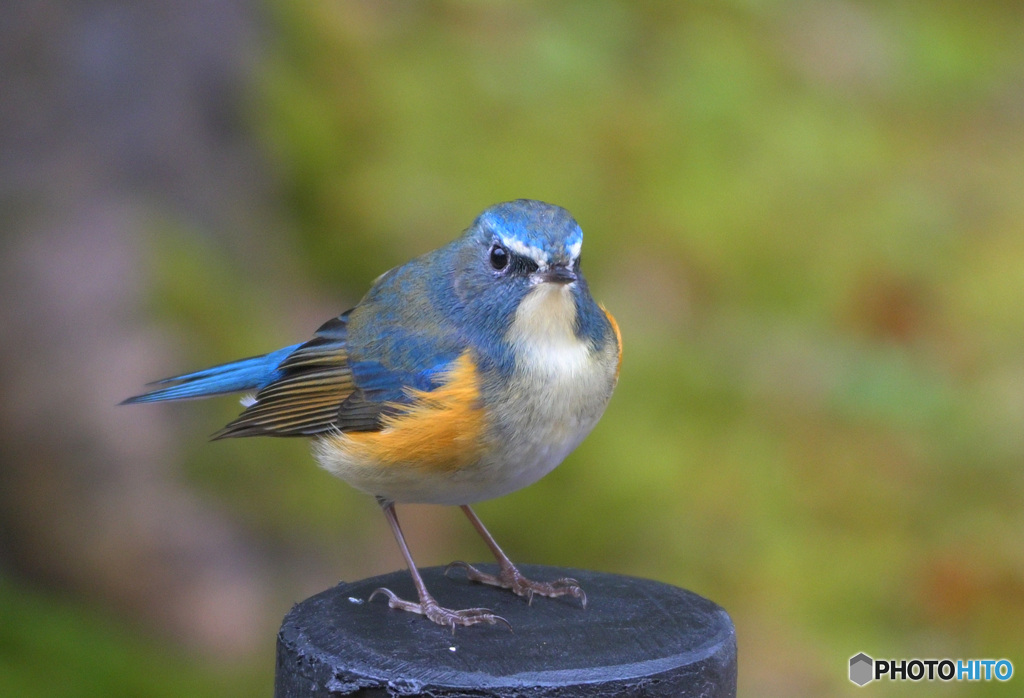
x=509 y=577
x=427 y=606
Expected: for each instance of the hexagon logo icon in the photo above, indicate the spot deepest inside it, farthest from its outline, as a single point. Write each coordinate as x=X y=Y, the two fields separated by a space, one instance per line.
x=861 y=669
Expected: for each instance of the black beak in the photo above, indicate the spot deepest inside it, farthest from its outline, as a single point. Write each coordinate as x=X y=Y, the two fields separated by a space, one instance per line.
x=557 y=274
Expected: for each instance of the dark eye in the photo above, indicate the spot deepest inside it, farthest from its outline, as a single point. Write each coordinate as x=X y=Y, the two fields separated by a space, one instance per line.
x=499 y=257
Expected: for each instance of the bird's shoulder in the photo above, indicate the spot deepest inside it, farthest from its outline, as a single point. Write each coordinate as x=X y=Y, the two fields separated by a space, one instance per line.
x=401 y=335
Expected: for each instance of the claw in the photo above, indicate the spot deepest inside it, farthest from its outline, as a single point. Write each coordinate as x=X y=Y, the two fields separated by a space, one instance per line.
x=512 y=579
x=457 y=563
x=438 y=614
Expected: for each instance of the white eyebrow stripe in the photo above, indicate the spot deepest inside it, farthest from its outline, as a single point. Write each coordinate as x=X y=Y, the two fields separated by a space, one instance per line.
x=535 y=253
x=574 y=249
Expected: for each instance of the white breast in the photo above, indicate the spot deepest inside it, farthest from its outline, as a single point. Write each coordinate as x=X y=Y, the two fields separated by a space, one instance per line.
x=558 y=392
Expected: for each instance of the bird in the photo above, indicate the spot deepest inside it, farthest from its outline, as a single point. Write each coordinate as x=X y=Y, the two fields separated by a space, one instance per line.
x=463 y=375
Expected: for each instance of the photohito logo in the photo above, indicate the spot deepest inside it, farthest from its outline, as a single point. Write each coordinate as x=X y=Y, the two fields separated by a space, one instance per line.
x=864 y=669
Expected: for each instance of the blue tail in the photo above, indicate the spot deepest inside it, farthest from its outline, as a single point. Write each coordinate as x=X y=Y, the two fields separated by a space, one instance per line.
x=234 y=377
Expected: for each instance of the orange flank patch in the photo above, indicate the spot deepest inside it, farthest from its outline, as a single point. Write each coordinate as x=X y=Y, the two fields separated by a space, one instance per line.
x=442 y=430
x=618 y=338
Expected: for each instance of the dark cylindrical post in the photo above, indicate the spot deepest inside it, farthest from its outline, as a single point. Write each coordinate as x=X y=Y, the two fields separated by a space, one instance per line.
x=636 y=637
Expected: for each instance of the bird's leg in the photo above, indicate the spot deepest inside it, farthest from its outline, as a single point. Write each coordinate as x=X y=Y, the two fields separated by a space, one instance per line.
x=509 y=577
x=427 y=606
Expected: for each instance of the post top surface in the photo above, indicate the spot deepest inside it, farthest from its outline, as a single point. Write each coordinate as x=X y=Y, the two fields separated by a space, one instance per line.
x=632 y=629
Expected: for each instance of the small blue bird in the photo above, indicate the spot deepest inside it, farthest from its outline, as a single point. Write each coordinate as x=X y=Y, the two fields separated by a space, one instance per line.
x=468 y=373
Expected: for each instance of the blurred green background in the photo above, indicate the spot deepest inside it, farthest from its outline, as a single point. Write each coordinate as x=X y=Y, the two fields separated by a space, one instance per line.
x=806 y=217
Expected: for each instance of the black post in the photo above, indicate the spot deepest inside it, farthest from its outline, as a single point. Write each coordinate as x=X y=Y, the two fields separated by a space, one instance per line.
x=635 y=638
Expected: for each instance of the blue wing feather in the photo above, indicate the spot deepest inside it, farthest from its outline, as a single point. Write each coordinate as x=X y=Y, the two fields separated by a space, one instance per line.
x=383 y=384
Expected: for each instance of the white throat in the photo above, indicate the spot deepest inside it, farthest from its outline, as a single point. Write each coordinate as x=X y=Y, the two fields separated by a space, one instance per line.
x=543 y=332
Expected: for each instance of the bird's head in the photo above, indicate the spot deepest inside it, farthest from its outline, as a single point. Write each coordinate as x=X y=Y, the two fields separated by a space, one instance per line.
x=517 y=245
x=520 y=253
x=530 y=242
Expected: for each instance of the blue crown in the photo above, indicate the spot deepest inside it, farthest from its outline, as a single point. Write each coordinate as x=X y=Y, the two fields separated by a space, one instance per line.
x=543 y=232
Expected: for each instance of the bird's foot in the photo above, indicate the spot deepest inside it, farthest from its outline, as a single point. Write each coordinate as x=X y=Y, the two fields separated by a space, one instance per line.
x=511 y=578
x=450 y=618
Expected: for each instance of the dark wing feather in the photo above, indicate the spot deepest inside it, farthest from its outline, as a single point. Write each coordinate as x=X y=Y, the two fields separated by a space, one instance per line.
x=315 y=393
x=358 y=413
